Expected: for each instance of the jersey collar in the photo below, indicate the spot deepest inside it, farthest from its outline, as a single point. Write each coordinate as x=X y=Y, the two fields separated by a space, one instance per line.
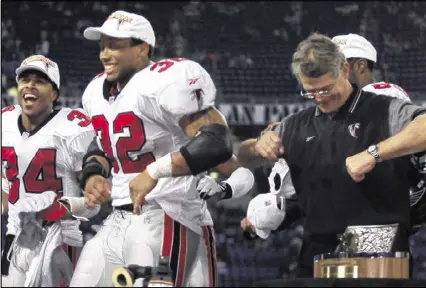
x=31 y=133
x=349 y=107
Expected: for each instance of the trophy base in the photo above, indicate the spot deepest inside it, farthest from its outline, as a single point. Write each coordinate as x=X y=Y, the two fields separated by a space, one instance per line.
x=362 y=265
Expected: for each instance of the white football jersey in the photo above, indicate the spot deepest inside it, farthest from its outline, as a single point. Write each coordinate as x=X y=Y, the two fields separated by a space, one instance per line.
x=141 y=124
x=387 y=89
x=45 y=159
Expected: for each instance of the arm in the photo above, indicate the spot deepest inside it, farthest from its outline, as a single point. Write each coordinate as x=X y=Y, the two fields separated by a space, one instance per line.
x=191 y=124
x=210 y=147
x=253 y=152
x=184 y=162
x=95 y=162
x=5 y=195
x=411 y=140
x=248 y=156
x=407 y=124
x=407 y=127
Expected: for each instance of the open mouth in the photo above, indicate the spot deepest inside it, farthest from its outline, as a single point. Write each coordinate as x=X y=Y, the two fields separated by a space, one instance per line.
x=110 y=68
x=29 y=98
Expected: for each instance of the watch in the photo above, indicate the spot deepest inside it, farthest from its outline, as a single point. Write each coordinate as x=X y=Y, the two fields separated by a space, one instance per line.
x=374 y=151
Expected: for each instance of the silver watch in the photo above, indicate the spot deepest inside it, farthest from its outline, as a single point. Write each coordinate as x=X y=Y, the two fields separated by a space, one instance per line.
x=374 y=151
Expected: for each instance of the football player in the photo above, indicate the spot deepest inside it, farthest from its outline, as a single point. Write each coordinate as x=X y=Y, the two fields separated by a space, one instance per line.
x=143 y=112
x=42 y=151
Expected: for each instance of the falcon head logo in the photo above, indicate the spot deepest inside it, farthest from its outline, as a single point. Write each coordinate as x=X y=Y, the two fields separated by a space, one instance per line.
x=353 y=129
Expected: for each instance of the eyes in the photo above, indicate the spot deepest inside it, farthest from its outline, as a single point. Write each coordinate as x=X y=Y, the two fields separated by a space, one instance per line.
x=36 y=80
x=113 y=45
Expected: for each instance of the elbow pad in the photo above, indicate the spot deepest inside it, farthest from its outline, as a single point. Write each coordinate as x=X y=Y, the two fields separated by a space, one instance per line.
x=211 y=147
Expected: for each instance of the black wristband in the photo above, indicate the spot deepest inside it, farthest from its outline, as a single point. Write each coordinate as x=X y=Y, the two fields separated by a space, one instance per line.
x=226 y=190
x=99 y=153
x=92 y=167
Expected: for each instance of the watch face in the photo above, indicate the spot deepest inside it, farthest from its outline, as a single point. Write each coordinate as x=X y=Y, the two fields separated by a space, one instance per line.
x=371 y=148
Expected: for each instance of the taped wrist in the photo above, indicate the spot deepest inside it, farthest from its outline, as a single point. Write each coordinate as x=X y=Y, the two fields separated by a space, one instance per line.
x=160 y=168
x=92 y=167
x=211 y=147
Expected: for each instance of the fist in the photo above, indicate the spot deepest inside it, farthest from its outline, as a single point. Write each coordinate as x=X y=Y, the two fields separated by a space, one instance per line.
x=96 y=191
x=269 y=146
x=359 y=165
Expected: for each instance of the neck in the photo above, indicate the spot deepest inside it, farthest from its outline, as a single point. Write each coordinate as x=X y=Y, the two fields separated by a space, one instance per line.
x=348 y=91
x=123 y=82
x=31 y=123
x=366 y=80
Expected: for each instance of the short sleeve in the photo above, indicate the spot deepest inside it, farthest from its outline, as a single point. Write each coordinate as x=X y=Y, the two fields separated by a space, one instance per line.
x=77 y=148
x=401 y=113
x=278 y=127
x=191 y=91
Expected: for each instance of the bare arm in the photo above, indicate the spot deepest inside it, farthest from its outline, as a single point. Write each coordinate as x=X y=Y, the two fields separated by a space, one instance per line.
x=191 y=124
x=411 y=140
x=247 y=155
x=4 y=201
x=4 y=197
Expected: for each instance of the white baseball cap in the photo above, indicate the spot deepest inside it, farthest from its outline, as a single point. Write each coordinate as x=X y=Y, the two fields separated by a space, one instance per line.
x=121 y=24
x=42 y=64
x=356 y=46
x=264 y=215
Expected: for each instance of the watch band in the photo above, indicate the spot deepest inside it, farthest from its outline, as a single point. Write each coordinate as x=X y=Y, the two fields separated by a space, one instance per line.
x=373 y=151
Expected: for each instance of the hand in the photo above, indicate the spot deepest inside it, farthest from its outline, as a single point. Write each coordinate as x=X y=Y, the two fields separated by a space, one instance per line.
x=247 y=226
x=359 y=165
x=139 y=187
x=207 y=187
x=96 y=191
x=269 y=146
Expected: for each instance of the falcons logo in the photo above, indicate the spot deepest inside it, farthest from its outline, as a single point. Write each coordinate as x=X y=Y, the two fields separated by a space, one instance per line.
x=353 y=129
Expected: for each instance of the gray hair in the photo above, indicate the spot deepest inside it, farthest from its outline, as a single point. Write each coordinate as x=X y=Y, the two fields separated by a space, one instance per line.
x=317 y=55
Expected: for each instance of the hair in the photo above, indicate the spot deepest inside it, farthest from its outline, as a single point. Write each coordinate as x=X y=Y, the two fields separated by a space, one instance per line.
x=317 y=55
x=138 y=42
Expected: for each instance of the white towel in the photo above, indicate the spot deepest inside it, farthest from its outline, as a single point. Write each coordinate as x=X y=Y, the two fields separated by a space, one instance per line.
x=37 y=249
x=52 y=267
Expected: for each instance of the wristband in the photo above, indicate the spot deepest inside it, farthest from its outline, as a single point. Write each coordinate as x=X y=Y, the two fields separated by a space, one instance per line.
x=92 y=167
x=160 y=168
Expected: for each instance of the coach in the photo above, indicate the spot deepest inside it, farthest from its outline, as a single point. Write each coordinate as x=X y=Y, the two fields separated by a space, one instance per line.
x=348 y=155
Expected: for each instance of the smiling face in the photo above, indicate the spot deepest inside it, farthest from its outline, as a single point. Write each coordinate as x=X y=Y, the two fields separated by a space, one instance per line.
x=36 y=94
x=120 y=58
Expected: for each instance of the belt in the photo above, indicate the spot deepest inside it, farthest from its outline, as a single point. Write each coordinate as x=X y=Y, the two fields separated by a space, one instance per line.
x=144 y=208
x=127 y=207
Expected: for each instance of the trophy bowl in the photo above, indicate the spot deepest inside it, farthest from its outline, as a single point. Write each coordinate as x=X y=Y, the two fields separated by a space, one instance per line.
x=393 y=265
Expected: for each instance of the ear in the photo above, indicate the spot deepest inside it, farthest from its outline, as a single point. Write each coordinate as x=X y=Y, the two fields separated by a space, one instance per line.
x=143 y=49
x=362 y=66
x=345 y=70
x=54 y=95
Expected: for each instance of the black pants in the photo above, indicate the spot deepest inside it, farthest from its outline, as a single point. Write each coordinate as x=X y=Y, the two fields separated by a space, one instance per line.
x=314 y=245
